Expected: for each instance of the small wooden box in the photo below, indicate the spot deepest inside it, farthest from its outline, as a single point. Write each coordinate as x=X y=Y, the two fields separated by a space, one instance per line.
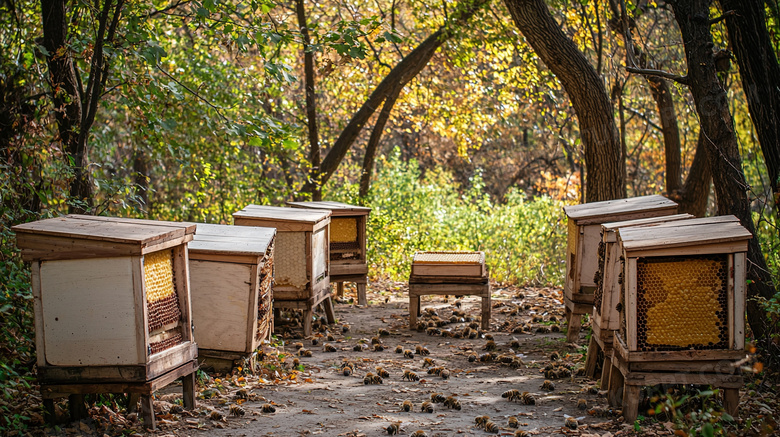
x=111 y=303
x=449 y=264
x=301 y=258
x=347 y=243
x=231 y=271
x=584 y=236
x=682 y=308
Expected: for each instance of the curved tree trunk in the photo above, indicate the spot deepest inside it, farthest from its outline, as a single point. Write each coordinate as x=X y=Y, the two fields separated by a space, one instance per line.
x=695 y=193
x=373 y=142
x=311 y=102
x=718 y=130
x=604 y=180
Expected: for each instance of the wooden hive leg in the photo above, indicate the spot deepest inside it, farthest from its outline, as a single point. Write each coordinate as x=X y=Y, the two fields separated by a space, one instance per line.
x=78 y=409
x=307 y=314
x=631 y=403
x=132 y=402
x=147 y=412
x=340 y=289
x=362 y=294
x=486 y=309
x=414 y=309
x=606 y=371
x=573 y=331
x=48 y=411
x=731 y=401
x=591 y=362
x=616 y=381
x=329 y=313
x=188 y=391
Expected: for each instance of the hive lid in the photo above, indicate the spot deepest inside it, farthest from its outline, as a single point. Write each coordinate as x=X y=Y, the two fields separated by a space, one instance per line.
x=336 y=208
x=449 y=257
x=611 y=210
x=652 y=221
x=84 y=236
x=687 y=233
x=230 y=240
x=281 y=218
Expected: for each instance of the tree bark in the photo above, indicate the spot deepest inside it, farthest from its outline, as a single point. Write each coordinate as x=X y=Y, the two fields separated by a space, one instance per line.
x=693 y=197
x=398 y=77
x=311 y=102
x=599 y=133
x=719 y=137
x=373 y=142
x=760 y=73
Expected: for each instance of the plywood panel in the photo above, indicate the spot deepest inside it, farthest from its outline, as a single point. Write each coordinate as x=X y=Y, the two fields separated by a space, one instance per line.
x=221 y=293
x=590 y=245
x=89 y=312
x=320 y=253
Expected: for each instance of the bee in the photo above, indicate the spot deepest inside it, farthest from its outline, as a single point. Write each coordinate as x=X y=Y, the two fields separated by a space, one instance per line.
x=551 y=373
x=268 y=408
x=542 y=329
x=480 y=421
x=376 y=340
x=486 y=358
x=514 y=344
x=458 y=303
x=344 y=328
x=474 y=325
x=548 y=385
x=315 y=341
x=527 y=398
x=330 y=337
x=408 y=354
x=419 y=433
x=304 y=352
x=241 y=394
x=427 y=362
x=357 y=348
x=433 y=331
x=489 y=337
x=329 y=347
x=555 y=356
x=452 y=402
x=505 y=358
x=521 y=433
x=472 y=357
x=553 y=319
x=571 y=423
x=593 y=390
x=421 y=326
x=519 y=329
x=382 y=372
x=538 y=319
x=563 y=372
x=409 y=375
x=466 y=332
x=426 y=407
x=435 y=370
x=580 y=371
x=447 y=333
x=457 y=334
x=490 y=345
x=378 y=348
x=445 y=374
x=382 y=332
x=511 y=395
x=422 y=350
x=406 y=406
x=582 y=404
x=555 y=328
x=216 y=415
x=298 y=345
x=399 y=349
x=393 y=428
x=491 y=427
x=236 y=410
x=437 y=398
x=347 y=371
x=513 y=423
x=453 y=319
x=431 y=312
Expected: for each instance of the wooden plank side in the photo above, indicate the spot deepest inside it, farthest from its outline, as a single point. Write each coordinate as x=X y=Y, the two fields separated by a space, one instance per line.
x=610 y=319
x=141 y=308
x=89 y=312
x=282 y=214
x=596 y=210
x=100 y=230
x=702 y=249
x=589 y=256
x=40 y=333
x=631 y=298
x=647 y=221
x=181 y=272
x=337 y=208
x=730 y=300
x=319 y=250
x=189 y=228
x=740 y=281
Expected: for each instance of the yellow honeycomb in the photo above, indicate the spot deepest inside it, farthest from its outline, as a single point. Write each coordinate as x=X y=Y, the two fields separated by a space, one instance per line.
x=681 y=302
x=158 y=275
x=343 y=230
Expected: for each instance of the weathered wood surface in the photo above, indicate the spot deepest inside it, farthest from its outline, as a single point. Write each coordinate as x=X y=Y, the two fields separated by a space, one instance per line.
x=632 y=208
x=442 y=264
x=646 y=221
x=416 y=290
x=693 y=232
x=283 y=219
x=338 y=209
x=227 y=240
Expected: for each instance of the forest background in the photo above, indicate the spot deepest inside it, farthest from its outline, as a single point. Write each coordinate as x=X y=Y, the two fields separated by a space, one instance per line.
x=438 y=115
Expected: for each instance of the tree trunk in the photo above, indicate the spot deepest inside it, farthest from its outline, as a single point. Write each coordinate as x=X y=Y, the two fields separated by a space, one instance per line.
x=399 y=76
x=693 y=197
x=586 y=91
x=373 y=142
x=760 y=73
x=725 y=162
x=311 y=103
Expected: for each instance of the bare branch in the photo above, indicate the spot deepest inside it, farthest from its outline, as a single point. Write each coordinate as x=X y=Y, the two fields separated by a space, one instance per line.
x=193 y=92
x=722 y=17
x=650 y=72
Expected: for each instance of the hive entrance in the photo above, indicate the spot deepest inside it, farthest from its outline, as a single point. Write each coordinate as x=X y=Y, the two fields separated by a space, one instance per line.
x=682 y=303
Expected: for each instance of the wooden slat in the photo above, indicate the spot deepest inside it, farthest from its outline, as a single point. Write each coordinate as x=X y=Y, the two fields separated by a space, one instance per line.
x=164 y=361
x=669 y=236
x=338 y=209
x=181 y=271
x=740 y=263
x=281 y=214
x=613 y=208
x=646 y=221
x=141 y=308
x=629 y=276
x=101 y=229
x=189 y=228
x=40 y=333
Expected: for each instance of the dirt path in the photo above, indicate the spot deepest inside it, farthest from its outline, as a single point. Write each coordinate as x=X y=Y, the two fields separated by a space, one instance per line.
x=333 y=404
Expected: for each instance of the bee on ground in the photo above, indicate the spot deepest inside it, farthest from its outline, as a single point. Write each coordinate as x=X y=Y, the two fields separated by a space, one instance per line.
x=555 y=356
x=516 y=363
x=347 y=371
x=422 y=350
x=330 y=337
x=580 y=371
x=489 y=337
x=382 y=332
x=511 y=395
x=406 y=406
x=445 y=374
x=399 y=349
x=555 y=328
x=452 y=403
x=521 y=433
x=304 y=353
x=410 y=376
x=426 y=407
x=490 y=345
x=571 y=423
x=514 y=344
x=486 y=358
x=378 y=348
x=376 y=340
x=433 y=331
x=430 y=312
x=216 y=415
x=268 y=408
x=370 y=379
x=427 y=362
x=505 y=358
x=472 y=357
x=393 y=428
x=437 y=398
x=419 y=433
x=542 y=329
x=582 y=404
x=491 y=427
x=548 y=385
x=382 y=372
x=344 y=328
x=513 y=423
x=241 y=394
x=458 y=303
x=297 y=345
x=480 y=421
x=408 y=354
x=357 y=348
x=435 y=370
x=421 y=326
x=315 y=341
x=527 y=398
x=236 y=410
x=329 y=347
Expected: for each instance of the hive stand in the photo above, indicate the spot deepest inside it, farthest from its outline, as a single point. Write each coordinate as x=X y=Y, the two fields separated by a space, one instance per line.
x=449 y=273
x=683 y=309
x=231 y=271
x=347 y=244
x=301 y=257
x=605 y=319
x=112 y=308
x=584 y=235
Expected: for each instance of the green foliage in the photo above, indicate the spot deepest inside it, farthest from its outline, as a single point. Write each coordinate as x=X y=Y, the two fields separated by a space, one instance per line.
x=697 y=414
x=523 y=240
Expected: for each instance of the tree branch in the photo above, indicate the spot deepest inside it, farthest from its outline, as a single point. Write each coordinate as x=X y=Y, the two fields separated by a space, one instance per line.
x=193 y=92
x=722 y=17
x=650 y=72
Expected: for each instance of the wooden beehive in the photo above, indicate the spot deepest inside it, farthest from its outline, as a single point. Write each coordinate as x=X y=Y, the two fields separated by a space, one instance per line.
x=301 y=256
x=584 y=236
x=347 y=243
x=111 y=303
x=682 y=308
x=449 y=264
x=231 y=279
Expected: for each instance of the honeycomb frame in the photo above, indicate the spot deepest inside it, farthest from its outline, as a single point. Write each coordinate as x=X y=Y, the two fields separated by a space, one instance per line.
x=162 y=300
